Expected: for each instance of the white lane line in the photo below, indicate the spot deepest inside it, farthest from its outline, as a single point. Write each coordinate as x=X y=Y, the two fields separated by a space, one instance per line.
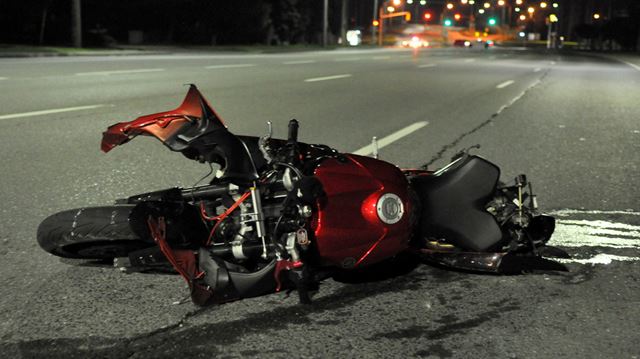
x=368 y=149
x=426 y=65
x=537 y=69
x=299 y=62
x=347 y=59
x=47 y=112
x=581 y=233
x=601 y=258
x=229 y=66
x=334 y=77
x=469 y=60
x=117 y=72
x=3 y=78
x=568 y=212
x=381 y=57
x=632 y=65
x=505 y=84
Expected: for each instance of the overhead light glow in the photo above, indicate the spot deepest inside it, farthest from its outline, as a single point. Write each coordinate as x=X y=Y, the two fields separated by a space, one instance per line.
x=471 y=2
x=487 y=5
x=555 y=4
x=391 y=9
x=518 y=2
x=423 y=2
x=523 y=18
x=531 y=10
x=409 y=2
x=449 y=6
x=481 y=11
x=521 y=34
x=596 y=16
x=516 y=9
x=500 y=2
x=543 y=5
x=464 y=1
x=397 y=2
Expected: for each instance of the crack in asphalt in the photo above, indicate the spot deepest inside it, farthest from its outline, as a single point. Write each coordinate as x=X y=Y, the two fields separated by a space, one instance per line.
x=455 y=142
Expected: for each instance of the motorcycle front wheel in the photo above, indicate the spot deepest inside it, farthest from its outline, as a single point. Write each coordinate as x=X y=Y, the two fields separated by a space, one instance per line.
x=90 y=233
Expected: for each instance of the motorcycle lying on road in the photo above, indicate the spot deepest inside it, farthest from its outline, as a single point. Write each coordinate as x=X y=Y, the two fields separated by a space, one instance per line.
x=286 y=214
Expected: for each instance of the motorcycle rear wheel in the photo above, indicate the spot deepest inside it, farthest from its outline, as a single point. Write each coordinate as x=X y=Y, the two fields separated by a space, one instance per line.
x=90 y=233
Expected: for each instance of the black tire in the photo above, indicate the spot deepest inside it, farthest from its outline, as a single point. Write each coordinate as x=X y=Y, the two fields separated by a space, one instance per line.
x=90 y=233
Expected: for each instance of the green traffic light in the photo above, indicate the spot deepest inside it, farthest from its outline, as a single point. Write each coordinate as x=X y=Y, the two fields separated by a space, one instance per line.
x=447 y=22
x=492 y=21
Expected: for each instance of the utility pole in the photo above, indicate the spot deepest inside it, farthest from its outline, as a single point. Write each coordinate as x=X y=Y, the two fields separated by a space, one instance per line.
x=325 y=22
x=375 y=17
x=76 y=24
x=343 y=21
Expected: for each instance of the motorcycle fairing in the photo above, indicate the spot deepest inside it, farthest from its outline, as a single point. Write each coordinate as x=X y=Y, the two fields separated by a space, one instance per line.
x=175 y=128
x=193 y=129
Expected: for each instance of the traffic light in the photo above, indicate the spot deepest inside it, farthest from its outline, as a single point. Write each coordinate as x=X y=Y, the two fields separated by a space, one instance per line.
x=457 y=17
x=427 y=16
x=376 y=22
x=447 y=22
x=492 y=21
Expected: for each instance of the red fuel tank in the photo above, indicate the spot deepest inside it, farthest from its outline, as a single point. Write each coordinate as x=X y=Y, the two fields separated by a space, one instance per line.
x=364 y=217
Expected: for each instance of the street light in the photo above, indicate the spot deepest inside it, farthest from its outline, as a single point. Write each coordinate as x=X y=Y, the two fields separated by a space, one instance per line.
x=449 y=6
x=487 y=5
x=596 y=16
x=397 y=2
x=518 y=2
x=543 y=5
x=481 y=11
x=531 y=10
x=500 y=2
x=391 y=9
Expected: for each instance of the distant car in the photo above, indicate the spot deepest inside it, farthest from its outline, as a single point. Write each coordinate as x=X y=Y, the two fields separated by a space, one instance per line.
x=415 y=42
x=462 y=43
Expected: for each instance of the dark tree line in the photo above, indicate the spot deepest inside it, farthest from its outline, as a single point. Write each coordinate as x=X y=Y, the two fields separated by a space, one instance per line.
x=205 y=22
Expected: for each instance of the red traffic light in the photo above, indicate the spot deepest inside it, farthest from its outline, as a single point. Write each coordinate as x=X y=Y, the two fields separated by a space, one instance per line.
x=457 y=16
x=427 y=16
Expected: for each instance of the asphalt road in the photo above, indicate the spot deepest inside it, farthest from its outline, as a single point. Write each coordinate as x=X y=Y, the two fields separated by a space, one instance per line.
x=569 y=121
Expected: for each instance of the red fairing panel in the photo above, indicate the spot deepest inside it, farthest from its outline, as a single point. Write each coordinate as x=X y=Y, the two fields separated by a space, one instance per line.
x=347 y=228
x=162 y=125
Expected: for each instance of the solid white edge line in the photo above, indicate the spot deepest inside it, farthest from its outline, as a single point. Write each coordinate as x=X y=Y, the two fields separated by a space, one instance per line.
x=117 y=72
x=47 y=112
x=300 y=62
x=505 y=84
x=368 y=149
x=334 y=77
x=632 y=65
x=426 y=65
x=229 y=66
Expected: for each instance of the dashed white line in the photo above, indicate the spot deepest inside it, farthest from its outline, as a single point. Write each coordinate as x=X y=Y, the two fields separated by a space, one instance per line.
x=117 y=72
x=3 y=78
x=366 y=150
x=47 y=112
x=537 y=69
x=469 y=60
x=426 y=65
x=347 y=59
x=229 y=66
x=632 y=65
x=505 y=84
x=334 y=77
x=299 y=62
x=381 y=57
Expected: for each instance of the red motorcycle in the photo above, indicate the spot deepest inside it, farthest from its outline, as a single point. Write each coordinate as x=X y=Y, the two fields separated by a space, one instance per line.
x=285 y=214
